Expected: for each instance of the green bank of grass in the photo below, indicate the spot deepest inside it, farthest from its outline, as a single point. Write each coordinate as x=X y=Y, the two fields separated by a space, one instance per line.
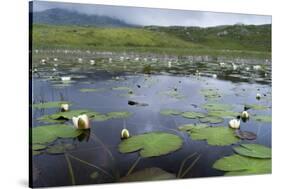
x=142 y=40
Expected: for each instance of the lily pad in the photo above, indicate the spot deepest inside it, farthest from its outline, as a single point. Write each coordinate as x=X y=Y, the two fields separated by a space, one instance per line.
x=193 y=115
x=85 y=90
x=217 y=107
x=263 y=118
x=218 y=136
x=151 y=144
x=59 y=148
x=245 y=135
x=211 y=119
x=242 y=165
x=224 y=114
x=38 y=147
x=173 y=94
x=47 y=119
x=189 y=127
x=63 y=115
x=253 y=150
x=55 y=104
x=119 y=114
x=256 y=107
x=148 y=174
x=170 y=112
x=94 y=175
x=35 y=153
x=101 y=117
x=210 y=93
x=122 y=88
x=49 y=133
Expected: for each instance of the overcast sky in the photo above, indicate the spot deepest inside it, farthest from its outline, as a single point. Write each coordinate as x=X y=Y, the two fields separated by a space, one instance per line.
x=161 y=17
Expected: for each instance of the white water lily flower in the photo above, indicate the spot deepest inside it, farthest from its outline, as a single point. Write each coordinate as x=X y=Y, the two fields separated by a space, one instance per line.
x=65 y=78
x=257 y=67
x=234 y=66
x=92 y=62
x=43 y=61
x=56 y=65
x=81 y=122
x=54 y=69
x=145 y=59
x=245 y=115
x=247 y=68
x=125 y=134
x=121 y=58
x=234 y=124
x=80 y=60
x=222 y=64
x=55 y=59
x=214 y=76
x=137 y=59
x=258 y=96
x=64 y=107
x=110 y=60
x=169 y=64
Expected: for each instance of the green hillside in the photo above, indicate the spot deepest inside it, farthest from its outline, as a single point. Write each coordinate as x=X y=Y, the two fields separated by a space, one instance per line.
x=248 y=41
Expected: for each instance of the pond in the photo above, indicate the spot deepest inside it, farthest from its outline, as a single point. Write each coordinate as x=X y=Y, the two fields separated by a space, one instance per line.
x=166 y=94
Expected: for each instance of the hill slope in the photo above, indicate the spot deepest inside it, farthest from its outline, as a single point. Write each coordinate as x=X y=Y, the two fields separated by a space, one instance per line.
x=58 y=16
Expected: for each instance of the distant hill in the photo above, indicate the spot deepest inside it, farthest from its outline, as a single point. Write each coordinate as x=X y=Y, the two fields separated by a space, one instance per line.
x=239 y=36
x=58 y=16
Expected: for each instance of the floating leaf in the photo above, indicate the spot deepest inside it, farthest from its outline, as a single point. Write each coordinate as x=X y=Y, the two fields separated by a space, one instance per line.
x=210 y=93
x=245 y=135
x=47 y=119
x=151 y=144
x=224 y=114
x=256 y=107
x=49 y=133
x=170 y=112
x=211 y=119
x=119 y=114
x=219 y=136
x=263 y=118
x=148 y=174
x=59 y=148
x=193 y=115
x=56 y=104
x=85 y=90
x=101 y=117
x=217 y=107
x=173 y=94
x=253 y=150
x=242 y=165
x=189 y=127
x=122 y=88
x=38 y=146
x=68 y=114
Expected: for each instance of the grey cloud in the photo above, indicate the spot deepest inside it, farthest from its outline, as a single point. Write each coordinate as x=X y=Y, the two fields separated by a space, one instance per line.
x=163 y=17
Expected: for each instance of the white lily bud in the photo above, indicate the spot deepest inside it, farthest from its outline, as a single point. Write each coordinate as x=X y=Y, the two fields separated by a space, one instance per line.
x=245 y=115
x=258 y=96
x=64 y=107
x=125 y=134
x=81 y=122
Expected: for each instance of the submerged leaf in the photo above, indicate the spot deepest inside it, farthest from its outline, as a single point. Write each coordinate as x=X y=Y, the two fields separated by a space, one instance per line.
x=38 y=146
x=151 y=144
x=242 y=165
x=85 y=90
x=256 y=107
x=245 y=135
x=119 y=114
x=253 y=150
x=59 y=148
x=148 y=174
x=263 y=118
x=217 y=107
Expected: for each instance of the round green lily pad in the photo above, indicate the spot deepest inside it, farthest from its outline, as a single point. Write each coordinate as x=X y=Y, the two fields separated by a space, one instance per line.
x=55 y=104
x=151 y=144
x=242 y=165
x=263 y=118
x=253 y=150
x=193 y=115
x=59 y=148
x=211 y=119
x=49 y=133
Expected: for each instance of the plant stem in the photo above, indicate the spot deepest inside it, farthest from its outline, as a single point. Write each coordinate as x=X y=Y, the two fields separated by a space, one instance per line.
x=91 y=165
x=183 y=163
x=192 y=164
x=133 y=166
x=70 y=169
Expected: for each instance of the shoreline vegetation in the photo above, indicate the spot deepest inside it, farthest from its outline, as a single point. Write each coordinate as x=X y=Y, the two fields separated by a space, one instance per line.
x=235 y=41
